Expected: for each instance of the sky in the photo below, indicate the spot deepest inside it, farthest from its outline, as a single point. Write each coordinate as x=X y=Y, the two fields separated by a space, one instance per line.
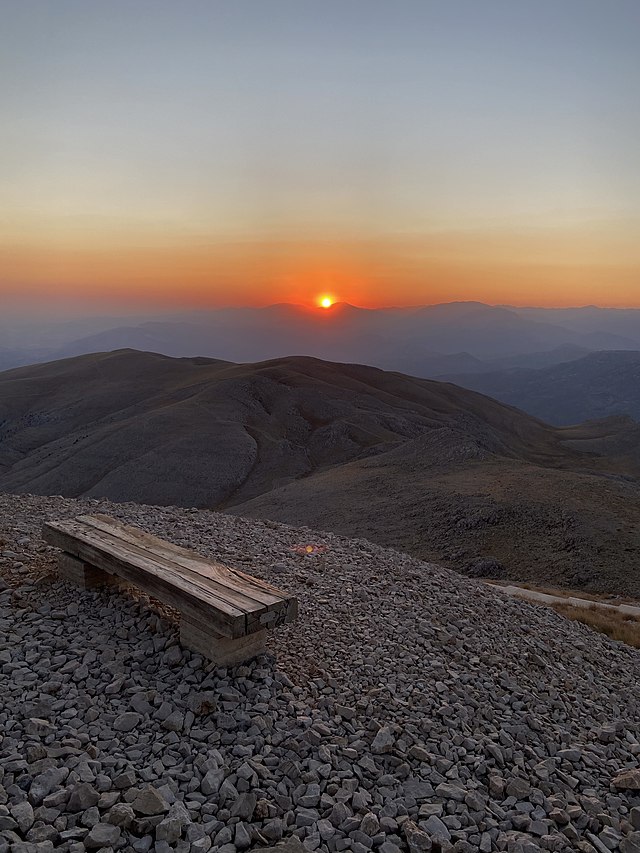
x=229 y=152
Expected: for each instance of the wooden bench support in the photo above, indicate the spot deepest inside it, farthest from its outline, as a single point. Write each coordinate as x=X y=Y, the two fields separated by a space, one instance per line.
x=83 y=574
x=221 y=650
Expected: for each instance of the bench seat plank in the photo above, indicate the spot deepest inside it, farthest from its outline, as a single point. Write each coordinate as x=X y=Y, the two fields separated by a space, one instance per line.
x=98 y=549
x=264 y=605
x=226 y=600
x=247 y=592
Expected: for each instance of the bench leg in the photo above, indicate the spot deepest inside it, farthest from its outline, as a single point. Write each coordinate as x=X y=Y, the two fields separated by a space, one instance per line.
x=221 y=650
x=81 y=573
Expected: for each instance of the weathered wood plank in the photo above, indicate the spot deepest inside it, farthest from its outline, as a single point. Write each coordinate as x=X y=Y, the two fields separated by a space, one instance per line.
x=264 y=605
x=207 y=593
x=246 y=591
x=82 y=535
x=250 y=586
x=147 y=575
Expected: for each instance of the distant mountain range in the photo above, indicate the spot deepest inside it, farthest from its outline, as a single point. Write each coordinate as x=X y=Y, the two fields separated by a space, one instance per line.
x=424 y=466
x=451 y=338
x=596 y=386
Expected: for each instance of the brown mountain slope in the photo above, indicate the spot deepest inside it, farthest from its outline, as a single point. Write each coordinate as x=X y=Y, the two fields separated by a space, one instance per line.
x=439 y=471
x=482 y=514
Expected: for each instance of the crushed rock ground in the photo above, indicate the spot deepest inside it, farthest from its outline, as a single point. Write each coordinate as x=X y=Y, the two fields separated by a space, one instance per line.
x=408 y=708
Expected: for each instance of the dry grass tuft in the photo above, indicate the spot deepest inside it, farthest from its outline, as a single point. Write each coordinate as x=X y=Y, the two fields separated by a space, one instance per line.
x=616 y=625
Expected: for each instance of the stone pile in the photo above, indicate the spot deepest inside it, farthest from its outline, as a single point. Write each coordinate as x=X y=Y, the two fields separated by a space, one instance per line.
x=409 y=708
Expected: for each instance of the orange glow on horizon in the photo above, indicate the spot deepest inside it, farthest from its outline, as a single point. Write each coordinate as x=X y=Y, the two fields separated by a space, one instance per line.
x=545 y=267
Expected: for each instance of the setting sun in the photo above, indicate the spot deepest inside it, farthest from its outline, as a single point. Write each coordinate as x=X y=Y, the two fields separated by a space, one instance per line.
x=325 y=302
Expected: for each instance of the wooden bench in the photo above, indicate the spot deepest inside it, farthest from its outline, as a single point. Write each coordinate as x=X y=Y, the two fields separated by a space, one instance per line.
x=225 y=613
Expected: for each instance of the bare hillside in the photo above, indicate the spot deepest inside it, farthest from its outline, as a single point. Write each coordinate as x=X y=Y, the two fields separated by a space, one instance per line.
x=428 y=467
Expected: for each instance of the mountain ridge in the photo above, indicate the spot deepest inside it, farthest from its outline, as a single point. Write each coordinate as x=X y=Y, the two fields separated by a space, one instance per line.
x=429 y=340
x=597 y=385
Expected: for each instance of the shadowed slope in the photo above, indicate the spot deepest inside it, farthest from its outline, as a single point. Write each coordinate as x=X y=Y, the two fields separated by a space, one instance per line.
x=598 y=385
x=147 y=427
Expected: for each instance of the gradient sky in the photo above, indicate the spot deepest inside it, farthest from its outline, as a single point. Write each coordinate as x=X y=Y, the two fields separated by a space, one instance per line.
x=231 y=152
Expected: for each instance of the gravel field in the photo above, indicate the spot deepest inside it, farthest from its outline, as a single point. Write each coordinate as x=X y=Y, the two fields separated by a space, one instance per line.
x=408 y=709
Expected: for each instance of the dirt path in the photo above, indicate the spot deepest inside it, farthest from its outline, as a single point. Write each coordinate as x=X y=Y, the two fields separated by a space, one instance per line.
x=545 y=598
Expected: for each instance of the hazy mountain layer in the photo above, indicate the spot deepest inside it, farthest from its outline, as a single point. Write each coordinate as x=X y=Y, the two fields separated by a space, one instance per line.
x=451 y=338
x=597 y=386
x=427 y=341
x=442 y=472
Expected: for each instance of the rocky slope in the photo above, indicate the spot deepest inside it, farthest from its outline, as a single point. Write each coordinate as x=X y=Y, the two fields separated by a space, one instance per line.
x=444 y=473
x=409 y=708
x=443 y=498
